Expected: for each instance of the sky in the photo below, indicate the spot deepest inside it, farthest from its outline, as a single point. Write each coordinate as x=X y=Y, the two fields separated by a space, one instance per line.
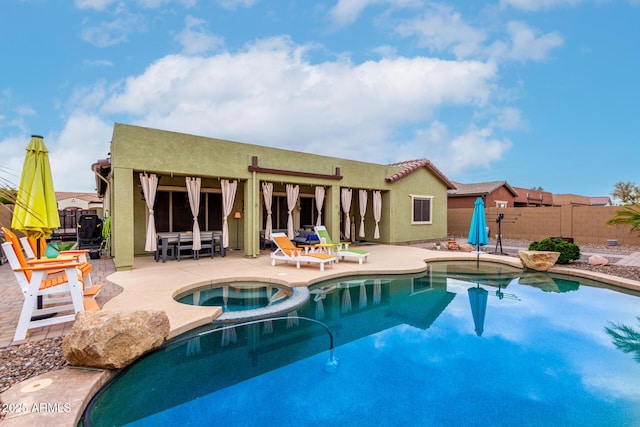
x=538 y=93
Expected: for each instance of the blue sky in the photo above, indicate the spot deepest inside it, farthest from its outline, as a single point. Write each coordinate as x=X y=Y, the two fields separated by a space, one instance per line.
x=534 y=92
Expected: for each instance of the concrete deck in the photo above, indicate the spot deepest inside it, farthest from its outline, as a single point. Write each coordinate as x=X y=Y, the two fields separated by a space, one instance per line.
x=152 y=285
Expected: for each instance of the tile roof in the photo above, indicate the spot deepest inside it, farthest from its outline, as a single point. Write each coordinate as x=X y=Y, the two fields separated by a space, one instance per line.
x=601 y=201
x=480 y=188
x=88 y=197
x=410 y=166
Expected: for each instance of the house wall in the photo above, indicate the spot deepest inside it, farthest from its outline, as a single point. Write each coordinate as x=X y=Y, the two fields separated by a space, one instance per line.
x=501 y=194
x=174 y=156
x=585 y=224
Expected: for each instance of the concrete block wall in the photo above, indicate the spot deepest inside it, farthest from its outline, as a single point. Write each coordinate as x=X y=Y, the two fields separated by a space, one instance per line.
x=585 y=224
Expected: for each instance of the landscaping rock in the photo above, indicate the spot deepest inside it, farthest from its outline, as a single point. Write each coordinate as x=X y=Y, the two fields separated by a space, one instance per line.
x=465 y=247
x=598 y=260
x=538 y=260
x=112 y=339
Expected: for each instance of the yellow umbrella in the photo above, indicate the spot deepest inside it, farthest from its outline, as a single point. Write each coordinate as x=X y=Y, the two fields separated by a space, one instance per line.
x=36 y=210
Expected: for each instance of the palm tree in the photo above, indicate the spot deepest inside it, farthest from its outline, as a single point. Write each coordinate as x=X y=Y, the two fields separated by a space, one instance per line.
x=629 y=215
x=625 y=338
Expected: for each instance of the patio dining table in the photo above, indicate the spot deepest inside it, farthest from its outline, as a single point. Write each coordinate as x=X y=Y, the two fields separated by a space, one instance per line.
x=165 y=239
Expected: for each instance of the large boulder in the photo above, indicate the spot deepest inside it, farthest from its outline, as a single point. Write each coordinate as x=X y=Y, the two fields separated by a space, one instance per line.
x=538 y=260
x=113 y=339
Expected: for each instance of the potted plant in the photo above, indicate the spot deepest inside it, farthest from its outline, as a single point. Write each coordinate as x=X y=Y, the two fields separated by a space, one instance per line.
x=437 y=245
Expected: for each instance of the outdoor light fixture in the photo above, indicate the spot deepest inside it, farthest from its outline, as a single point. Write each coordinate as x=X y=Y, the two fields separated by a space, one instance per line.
x=237 y=215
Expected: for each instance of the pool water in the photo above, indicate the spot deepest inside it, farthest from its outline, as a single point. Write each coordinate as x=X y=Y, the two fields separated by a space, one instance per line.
x=445 y=347
x=237 y=296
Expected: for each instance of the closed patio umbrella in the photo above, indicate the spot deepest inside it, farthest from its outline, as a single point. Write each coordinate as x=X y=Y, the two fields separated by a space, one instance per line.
x=36 y=210
x=478 y=300
x=478 y=230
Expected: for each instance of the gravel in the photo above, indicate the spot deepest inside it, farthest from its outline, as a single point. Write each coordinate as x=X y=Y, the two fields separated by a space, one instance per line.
x=20 y=362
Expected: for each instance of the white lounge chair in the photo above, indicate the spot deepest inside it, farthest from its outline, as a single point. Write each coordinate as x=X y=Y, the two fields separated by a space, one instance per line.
x=340 y=250
x=287 y=251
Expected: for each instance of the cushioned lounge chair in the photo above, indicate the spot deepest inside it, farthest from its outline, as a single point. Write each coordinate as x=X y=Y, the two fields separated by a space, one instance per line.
x=287 y=251
x=340 y=250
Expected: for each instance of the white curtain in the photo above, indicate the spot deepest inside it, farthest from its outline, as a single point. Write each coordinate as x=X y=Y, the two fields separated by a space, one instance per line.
x=267 y=192
x=346 y=301
x=319 y=203
x=193 y=190
x=149 y=185
x=363 y=296
x=346 y=208
x=228 y=196
x=377 y=212
x=362 y=196
x=292 y=199
x=377 y=291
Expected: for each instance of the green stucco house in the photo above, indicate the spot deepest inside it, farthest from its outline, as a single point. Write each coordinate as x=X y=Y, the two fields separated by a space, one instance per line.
x=405 y=202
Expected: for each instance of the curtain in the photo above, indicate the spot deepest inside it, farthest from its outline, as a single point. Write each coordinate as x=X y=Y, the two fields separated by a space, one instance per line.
x=149 y=185
x=319 y=203
x=228 y=196
x=193 y=190
x=362 y=196
x=346 y=208
x=292 y=199
x=267 y=192
x=377 y=212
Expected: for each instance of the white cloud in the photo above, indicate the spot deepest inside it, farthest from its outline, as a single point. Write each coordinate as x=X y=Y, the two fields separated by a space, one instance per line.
x=196 y=39
x=536 y=5
x=83 y=140
x=346 y=12
x=271 y=94
x=475 y=148
x=526 y=44
x=442 y=29
x=235 y=4
x=109 y=33
x=148 y=4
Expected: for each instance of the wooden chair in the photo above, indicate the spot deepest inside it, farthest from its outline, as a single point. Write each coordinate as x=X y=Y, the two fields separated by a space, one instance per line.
x=60 y=286
x=30 y=248
x=185 y=243
x=79 y=256
x=207 y=244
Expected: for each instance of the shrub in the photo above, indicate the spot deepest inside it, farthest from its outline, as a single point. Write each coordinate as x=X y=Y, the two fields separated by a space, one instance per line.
x=568 y=251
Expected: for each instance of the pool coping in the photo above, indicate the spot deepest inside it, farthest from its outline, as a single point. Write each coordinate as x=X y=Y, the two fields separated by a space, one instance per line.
x=151 y=285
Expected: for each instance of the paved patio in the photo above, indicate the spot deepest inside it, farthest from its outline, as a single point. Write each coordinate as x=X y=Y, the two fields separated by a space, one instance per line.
x=152 y=285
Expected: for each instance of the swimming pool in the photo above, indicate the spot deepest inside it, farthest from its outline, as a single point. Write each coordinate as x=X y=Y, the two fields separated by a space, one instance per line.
x=445 y=347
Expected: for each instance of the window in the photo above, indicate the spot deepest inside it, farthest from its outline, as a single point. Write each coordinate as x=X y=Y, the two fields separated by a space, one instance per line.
x=421 y=209
x=501 y=204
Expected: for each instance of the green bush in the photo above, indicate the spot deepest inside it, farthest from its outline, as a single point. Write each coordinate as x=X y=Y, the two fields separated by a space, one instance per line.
x=568 y=251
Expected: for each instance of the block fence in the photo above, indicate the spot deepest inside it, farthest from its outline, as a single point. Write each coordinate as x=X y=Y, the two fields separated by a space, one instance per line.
x=585 y=224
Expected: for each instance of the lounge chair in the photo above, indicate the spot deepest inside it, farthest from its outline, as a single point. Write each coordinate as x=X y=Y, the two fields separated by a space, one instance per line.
x=287 y=251
x=340 y=250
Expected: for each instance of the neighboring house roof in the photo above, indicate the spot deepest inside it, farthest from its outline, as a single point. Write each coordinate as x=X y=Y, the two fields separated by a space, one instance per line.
x=479 y=189
x=601 y=201
x=88 y=197
x=410 y=166
x=525 y=195
x=570 y=199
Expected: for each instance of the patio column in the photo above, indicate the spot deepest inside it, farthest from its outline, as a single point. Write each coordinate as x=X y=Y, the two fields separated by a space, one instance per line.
x=123 y=232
